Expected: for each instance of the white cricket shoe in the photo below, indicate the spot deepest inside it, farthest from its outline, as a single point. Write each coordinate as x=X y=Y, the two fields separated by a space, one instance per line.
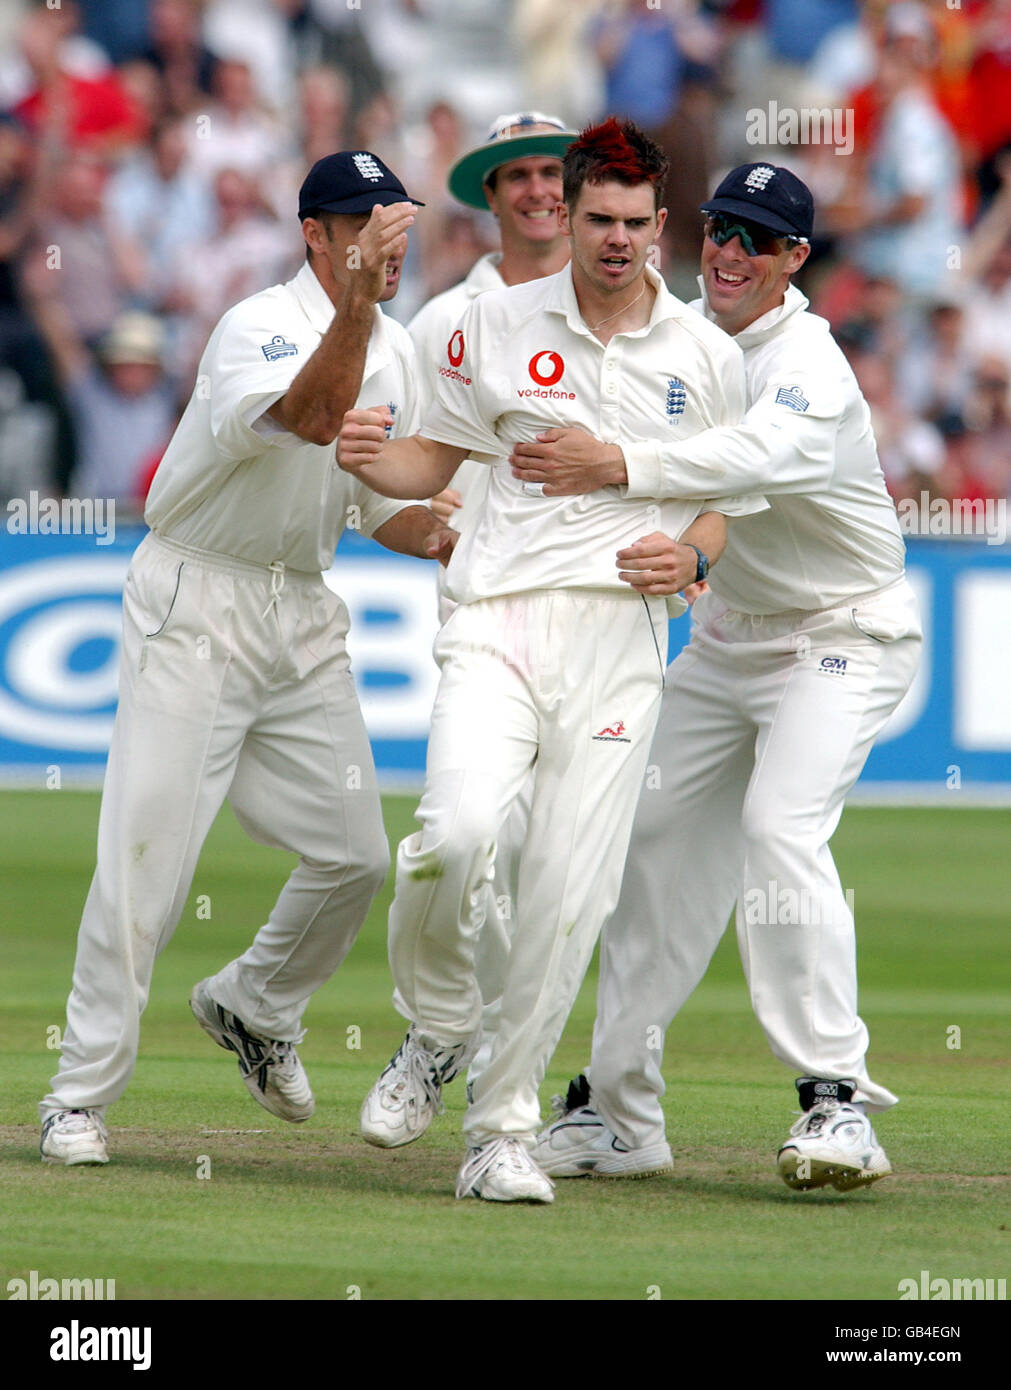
x=578 y=1143
x=833 y=1142
x=408 y=1095
x=74 y=1136
x=271 y=1070
x=503 y=1171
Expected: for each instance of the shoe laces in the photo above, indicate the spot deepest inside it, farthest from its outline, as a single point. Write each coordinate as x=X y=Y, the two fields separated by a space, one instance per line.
x=414 y=1069
x=559 y=1109
x=272 y=1053
x=78 y=1121
x=505 y=1149
x=813 y=1121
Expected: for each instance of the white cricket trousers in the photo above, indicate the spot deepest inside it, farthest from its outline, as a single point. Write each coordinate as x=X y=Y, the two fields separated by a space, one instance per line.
x=567 y=682
x=765 y=726
x=234 y=682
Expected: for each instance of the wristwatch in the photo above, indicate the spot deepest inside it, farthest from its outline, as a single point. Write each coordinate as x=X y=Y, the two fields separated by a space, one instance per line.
x=703 y=565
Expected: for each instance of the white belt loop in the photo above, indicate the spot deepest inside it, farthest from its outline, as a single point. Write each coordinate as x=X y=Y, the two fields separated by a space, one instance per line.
x=276 y=568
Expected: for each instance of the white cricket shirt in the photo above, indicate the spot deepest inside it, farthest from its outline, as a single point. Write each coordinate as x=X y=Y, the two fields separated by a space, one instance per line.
x=232 y=479
x=523 y=361
x=831 y=531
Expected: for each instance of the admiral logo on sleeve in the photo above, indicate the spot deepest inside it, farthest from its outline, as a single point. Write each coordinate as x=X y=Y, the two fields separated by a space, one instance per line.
x=278 y=347
x=792 y=396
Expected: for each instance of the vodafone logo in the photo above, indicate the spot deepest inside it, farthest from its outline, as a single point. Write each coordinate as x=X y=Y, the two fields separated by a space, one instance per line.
x=454 y=349
x=546 y=368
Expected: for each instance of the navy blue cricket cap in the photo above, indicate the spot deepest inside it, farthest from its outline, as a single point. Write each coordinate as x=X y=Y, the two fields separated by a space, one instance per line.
x=348 y=182
x=768 y=195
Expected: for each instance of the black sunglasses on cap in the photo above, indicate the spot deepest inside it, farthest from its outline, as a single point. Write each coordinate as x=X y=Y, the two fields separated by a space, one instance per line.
x=755 y=240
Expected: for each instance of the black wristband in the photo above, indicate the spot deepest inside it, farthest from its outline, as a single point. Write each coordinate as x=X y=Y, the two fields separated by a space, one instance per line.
x=703 y=566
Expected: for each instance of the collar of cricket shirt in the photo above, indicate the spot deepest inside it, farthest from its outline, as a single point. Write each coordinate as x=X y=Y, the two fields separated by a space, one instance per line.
x=562 y=300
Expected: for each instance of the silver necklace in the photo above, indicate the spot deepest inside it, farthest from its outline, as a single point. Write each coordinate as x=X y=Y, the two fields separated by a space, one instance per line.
x=595 y=326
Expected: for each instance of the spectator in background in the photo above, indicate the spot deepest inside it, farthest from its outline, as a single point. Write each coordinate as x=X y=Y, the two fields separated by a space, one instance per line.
x=247 y=250
x=81 y=112
x=867 y=310
x=76 y=54
x=178 y=54
x=990 y=93
x=642 y=60
x=158 y=204
x=321 y=127
x=21 y=348
x=988 y=306
x=259 y=31
x=235 y=131
x=83 y=253
x=122 y=406
x=324 y=105
x=120 y=27
x=794 y=29
x=33 y=423
x=902 y=211
x=561 y=69
x=910 y=450
x=988 y=414
x=336 y=37
x=934 y=373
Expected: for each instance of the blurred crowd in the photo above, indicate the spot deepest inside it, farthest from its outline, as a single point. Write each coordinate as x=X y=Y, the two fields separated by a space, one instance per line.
x=151 y=152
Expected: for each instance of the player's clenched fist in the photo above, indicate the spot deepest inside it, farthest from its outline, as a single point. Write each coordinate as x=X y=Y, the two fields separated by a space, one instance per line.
x=658 y=565
x=382 y=239
x=362 y=435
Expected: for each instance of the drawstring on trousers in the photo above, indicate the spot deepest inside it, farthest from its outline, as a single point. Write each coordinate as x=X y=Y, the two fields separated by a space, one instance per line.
x=276 y=568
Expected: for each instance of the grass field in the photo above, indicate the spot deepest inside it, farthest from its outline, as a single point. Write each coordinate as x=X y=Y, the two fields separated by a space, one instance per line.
x=311 y=1212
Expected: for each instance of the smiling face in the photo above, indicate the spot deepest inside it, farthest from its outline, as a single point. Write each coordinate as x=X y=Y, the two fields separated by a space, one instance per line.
x=741 y=288
x=524 y=197
x=612 y=226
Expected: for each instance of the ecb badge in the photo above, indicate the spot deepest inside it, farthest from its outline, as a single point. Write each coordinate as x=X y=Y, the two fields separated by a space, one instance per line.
x=677 y=396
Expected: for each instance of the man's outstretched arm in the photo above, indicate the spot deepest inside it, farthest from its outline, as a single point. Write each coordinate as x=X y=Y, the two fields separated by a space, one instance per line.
x=406 y=468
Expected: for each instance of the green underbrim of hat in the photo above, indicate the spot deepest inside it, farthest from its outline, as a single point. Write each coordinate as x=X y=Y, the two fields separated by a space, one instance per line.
x=467 y=176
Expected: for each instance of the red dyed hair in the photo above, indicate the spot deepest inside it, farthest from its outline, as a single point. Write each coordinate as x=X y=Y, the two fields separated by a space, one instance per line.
x=616 y=150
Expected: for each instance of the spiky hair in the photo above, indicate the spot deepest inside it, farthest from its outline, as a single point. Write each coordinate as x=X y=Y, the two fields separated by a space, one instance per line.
x=616 y=150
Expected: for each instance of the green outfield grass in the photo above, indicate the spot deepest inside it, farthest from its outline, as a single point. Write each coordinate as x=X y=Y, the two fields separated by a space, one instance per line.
x=311 y=1212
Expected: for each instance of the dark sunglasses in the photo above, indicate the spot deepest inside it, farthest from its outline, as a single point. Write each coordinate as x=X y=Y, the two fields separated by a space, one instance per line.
x=755 y=240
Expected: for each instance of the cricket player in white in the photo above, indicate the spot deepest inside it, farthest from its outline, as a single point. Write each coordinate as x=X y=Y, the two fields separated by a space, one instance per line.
x=234 y=676
x=517 y=174
x=803 y=646
x=550 y=660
